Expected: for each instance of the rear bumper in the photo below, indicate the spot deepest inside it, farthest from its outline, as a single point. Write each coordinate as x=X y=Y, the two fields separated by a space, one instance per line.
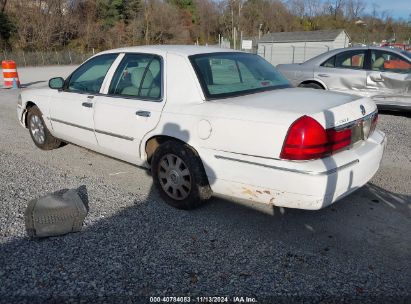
x=303 y=185
x=21 y=115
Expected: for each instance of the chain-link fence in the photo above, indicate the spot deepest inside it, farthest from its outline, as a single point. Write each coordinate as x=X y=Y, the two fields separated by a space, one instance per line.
x=66 y=57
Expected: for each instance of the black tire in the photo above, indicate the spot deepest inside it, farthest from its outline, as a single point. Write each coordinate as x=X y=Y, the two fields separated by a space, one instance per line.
x=194 y=189
x=35 y=122
x=311 y=85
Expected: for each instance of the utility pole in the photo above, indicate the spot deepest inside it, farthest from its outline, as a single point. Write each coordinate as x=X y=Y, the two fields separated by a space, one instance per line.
x=235 y=38
x=232 y=22
x=240 y=6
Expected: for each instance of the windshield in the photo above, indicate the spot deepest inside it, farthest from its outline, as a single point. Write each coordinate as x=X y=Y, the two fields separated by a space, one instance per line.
x=225 y=75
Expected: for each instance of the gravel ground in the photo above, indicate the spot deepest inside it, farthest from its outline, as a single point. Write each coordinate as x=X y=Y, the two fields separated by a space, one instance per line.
x=134 y=246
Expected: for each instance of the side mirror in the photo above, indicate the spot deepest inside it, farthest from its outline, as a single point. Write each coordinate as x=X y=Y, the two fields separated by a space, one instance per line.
x=56 y=83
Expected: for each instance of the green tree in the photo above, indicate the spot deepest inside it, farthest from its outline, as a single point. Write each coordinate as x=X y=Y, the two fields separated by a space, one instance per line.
x=7 y=28
x=187 y=6
x=111 y=11
x=131 y=9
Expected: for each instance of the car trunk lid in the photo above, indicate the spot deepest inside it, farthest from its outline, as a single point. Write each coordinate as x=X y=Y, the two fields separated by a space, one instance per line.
x=330 y=109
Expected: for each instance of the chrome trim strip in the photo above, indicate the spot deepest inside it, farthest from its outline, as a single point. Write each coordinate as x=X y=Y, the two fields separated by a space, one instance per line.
x=92 y=130
x=355 y=122
x=71 y=124
x=287 y=169
x=115 y=135
x=245 y=154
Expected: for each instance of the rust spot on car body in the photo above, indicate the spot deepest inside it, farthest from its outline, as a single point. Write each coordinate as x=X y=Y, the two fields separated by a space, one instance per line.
x=249 y=192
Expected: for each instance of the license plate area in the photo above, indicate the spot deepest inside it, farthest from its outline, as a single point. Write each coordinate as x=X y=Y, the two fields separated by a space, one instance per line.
x=361 y=130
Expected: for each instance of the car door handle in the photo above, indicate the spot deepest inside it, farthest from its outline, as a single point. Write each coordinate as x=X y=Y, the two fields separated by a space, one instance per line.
x=323 y=75
x=377 y=79
x=90 y=97
x=143 y=113
x=87 y=104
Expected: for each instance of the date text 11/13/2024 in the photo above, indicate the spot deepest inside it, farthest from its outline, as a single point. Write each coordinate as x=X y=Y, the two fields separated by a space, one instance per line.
x=203 y=299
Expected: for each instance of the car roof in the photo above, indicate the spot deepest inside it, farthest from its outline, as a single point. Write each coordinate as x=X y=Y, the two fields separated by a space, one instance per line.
x=184 y=50
x=324 y=56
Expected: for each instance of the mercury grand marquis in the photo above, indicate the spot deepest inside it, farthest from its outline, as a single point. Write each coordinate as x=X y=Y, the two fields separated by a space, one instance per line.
x=210 y=121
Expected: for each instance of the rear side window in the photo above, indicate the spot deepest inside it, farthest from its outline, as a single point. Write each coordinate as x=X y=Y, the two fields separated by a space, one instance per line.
x=233 y=74
x=330 y=63
x=350 y=60
x=346 y=60
x=139 y=76
x=89 y=77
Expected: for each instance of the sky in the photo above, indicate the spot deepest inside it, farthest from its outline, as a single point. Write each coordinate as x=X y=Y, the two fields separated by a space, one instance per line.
x=396 y=8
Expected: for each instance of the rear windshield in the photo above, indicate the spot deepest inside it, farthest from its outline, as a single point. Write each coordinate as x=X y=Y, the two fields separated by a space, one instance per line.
x=225 y=75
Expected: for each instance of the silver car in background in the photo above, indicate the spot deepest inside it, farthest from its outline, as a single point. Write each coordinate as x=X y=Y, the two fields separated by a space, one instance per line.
x=383 y=74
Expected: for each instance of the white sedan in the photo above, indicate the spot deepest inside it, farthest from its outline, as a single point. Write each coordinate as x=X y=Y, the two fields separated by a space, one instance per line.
x=209 y=121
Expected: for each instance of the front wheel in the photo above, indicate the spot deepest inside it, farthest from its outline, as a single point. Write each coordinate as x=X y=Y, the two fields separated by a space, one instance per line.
x=179 y=175
x=39 y=133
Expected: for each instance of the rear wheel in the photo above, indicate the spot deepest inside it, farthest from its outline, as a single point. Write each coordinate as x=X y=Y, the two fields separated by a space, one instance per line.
x=311 y=85
x=179 y=176
x=40 y=135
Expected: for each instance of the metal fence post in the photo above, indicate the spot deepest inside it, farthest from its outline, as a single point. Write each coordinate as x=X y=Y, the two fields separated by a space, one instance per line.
x=305 y=46
x=293 y=53
x=24 y=59
x=271 y=54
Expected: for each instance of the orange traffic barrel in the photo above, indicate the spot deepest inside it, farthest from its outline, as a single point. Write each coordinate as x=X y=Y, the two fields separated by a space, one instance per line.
x=10 y=73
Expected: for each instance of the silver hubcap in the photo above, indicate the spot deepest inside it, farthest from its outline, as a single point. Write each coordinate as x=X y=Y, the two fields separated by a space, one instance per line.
x=174 y=177
x=37 y=129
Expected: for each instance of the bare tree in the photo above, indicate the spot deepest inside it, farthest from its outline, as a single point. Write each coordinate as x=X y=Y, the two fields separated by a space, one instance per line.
x=298 y=8
x=161 y=23
x=3 y=4
x=354 y=9
x=207 y=19
x=335 y=8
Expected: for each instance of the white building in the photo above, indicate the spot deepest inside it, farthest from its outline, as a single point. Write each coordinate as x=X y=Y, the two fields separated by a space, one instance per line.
x=297 y=47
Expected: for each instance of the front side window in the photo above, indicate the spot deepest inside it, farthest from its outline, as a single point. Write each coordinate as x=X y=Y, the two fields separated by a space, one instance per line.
x=138 y=75
x=350 y=60
x=89 y=77
x=389 y=62
x=233 y=74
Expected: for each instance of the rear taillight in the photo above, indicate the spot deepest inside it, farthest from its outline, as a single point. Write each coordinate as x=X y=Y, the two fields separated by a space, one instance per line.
x=307 y=139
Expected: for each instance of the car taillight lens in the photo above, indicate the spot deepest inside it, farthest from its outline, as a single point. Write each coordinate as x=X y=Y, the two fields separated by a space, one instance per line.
x=307 y=139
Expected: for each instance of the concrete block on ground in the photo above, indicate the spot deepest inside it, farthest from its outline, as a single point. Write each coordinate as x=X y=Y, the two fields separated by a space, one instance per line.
x=57 y=213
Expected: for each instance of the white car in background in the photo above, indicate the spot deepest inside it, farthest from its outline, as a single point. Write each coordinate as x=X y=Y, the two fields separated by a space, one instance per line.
x=211 y=121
